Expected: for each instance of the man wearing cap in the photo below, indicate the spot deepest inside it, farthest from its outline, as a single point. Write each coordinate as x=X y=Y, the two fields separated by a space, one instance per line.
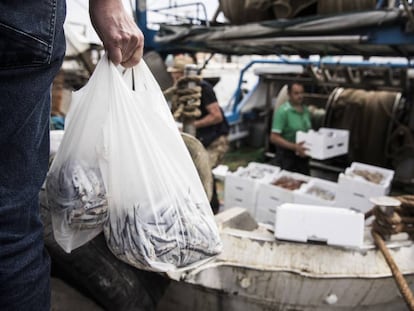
x=211 y=125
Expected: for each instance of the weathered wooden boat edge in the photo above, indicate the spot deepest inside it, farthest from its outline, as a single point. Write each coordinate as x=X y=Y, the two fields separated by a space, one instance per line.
x=249 y=275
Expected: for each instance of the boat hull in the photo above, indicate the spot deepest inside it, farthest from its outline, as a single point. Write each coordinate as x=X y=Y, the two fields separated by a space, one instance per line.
x=258 y=272
x=285 y=291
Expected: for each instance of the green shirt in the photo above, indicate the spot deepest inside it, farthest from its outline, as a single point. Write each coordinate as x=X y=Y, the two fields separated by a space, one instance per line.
x=287 y=121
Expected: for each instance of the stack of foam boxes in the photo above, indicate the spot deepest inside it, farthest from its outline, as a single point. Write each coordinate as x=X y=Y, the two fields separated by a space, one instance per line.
x=314 y=217
x=240 y=187
x=355 y=191
x=308 y=213
x=336 y=215
x=270 y=196
x=317 y=210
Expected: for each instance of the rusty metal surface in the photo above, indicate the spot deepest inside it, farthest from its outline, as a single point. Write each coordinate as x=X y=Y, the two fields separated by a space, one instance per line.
x=201 y=161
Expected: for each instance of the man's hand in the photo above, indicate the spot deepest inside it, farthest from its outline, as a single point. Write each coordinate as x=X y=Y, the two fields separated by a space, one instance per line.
x=120 y=35
x=300 y=149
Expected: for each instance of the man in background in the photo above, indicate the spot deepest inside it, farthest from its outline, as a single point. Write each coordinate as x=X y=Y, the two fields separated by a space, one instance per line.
x=290 y=117
x=211 y=125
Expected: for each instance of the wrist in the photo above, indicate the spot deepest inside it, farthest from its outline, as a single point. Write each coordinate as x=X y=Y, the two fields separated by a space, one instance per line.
x=111 y=4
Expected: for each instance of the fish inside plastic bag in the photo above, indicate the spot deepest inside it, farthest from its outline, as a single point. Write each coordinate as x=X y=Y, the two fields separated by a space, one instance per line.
x=136 y=178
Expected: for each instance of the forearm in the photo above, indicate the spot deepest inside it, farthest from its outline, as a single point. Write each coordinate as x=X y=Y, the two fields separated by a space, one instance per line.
x=208 y=120
x=113 y=3
x=110 y=7
x=280 y=141
x=120 y=35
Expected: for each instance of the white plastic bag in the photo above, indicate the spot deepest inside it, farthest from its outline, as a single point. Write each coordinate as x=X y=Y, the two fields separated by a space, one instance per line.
x=159 y=215
x=74 y=186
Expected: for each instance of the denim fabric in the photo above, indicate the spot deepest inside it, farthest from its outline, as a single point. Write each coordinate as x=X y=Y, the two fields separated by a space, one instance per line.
x=32 y=46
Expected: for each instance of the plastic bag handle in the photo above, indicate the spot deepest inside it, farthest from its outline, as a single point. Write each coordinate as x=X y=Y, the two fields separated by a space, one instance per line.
x=141 y=77
x=133 y=79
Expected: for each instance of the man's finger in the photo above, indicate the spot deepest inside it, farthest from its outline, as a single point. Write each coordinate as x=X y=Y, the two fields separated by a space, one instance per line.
x=115 y=54
x=133 y=60
x=129 y=48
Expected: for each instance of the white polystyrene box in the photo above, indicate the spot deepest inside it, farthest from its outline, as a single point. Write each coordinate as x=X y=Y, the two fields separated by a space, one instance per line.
x=56 y=137
x=241 y=190
x=324 y=143
x=268 y=169
x=334 y=226
x=347 y=180
x=355 y=192
x=306 y=195
x=351 y=201
x=220 y=172
x=270 y=196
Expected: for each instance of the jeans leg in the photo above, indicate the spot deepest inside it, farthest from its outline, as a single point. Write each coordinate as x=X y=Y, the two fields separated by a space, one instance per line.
x=26 y=75
x=24 y=264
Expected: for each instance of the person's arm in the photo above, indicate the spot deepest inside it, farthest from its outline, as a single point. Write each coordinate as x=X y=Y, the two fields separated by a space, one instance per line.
x=214 y=116
x=298 y=148
x=118 y=31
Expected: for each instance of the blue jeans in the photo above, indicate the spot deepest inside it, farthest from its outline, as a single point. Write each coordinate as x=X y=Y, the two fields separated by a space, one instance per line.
x=32 y=47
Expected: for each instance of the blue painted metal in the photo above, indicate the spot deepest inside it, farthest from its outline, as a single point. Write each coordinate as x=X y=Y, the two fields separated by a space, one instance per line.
x=141 y=20
x=385 y=35
x=149 y=34
x=196 y=20
x=390 y=36
x=380 y=4
x=237 y=101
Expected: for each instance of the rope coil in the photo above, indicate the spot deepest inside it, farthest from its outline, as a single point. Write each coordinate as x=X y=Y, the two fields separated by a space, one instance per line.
x=396 y=219
x=185 y=98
